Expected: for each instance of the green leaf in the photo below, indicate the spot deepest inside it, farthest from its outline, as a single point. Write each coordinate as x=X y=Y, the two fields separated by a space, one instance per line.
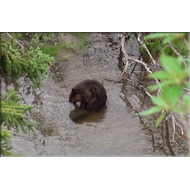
x=160 y=75
x=186 y=59
x=179 y=61
x=186 y=70
x=159 y=120
x=186 y=99
x=172 y=94
x=165 y=83
x=151 y=111
x=178 y=110
x=158 y=101
x=185 y=104
x=176 y=91
x=187 y=84
x=170 y=64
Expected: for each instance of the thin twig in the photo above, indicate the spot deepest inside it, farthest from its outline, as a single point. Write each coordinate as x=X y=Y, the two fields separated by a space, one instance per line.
x=188 y=91
x=179 y=126
x=185 y=56
x=163 y=49
x=145 y=91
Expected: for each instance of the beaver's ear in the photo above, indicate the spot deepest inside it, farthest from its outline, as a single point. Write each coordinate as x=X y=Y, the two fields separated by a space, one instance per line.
x=74 y=91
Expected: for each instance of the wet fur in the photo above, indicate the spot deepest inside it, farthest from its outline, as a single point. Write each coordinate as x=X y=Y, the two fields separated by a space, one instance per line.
x=90 y=93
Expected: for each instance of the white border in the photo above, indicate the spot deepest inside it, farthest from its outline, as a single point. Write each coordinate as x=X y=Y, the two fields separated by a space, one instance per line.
x=94 y=16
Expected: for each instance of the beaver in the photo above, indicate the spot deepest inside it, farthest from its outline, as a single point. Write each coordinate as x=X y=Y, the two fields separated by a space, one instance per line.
x=90 y=93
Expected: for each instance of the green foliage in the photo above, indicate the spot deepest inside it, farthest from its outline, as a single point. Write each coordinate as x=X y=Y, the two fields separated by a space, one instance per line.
x=168 y=37
x=161 y=117
x=41 y=39
x=54 y=50
x=46 y=37
x=13 y=113
x=157 y=43
x=174 y=78
x=36 y=39
x=17 y=63
x=174 y=73
x=19 y=35
x=5 y=141
x=5 y=138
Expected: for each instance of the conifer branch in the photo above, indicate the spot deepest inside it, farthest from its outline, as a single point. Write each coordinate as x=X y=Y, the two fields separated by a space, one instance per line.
x=15 y=41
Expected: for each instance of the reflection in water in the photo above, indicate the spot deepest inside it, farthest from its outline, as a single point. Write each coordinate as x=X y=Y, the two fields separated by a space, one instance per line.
x=80 y=115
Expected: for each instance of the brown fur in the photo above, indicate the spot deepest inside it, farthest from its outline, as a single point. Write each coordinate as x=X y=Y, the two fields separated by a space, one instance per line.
x=90 y=93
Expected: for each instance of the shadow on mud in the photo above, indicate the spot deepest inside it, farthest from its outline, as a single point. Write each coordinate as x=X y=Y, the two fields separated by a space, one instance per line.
x=80 y=115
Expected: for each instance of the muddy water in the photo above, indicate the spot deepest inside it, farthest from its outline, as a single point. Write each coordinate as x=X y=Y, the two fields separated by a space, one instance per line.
x=116 y=130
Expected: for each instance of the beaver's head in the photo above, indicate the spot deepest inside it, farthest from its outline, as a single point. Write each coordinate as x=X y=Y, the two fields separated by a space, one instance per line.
x=75 y=96
x=79 y=95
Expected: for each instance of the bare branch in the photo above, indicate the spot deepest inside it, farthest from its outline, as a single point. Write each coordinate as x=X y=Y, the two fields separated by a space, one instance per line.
x=145 y=47
x=133 y=60
x=123 y=40
x=145 y=66
x=188 y=91
x=185 y=56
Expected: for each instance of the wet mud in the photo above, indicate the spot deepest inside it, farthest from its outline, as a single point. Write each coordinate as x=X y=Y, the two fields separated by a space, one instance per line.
x=115 y=130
